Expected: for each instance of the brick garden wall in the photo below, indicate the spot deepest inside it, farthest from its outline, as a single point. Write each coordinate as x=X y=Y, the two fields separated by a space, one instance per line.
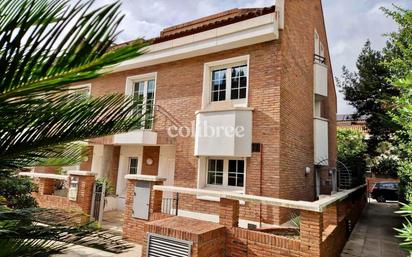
x=56 y=202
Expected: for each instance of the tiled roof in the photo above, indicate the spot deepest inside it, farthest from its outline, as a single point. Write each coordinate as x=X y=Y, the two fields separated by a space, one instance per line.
x=208 y=23
x=212 y=22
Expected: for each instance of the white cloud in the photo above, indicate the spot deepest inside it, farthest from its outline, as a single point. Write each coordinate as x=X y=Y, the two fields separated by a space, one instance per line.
x=349 y=23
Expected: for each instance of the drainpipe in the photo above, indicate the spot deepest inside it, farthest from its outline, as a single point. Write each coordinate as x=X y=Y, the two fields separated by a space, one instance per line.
x=260 y=183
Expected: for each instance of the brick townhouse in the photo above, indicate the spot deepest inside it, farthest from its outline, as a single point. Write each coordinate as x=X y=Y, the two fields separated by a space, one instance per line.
x=264 y=70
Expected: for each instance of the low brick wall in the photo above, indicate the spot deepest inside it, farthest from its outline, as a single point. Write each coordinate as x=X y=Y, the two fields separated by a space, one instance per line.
x=56 y=202
x=322 y=234
x=243 y=242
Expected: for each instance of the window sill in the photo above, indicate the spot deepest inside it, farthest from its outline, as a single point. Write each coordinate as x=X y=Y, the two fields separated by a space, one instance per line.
x=224 y=109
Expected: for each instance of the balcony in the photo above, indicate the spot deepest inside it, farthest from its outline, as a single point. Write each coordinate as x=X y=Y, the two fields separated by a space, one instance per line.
x=226 y=133
x=321 y=141
x=320 y=77
x=145 y=137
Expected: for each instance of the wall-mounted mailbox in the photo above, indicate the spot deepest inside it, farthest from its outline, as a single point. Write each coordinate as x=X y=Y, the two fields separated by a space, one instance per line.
x=74 y=186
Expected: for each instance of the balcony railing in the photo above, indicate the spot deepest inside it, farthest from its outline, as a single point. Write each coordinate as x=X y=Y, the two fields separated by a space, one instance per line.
x=319 y=59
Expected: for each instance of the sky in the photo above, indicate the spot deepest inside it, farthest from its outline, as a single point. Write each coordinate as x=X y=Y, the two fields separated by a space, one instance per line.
x=349 y=24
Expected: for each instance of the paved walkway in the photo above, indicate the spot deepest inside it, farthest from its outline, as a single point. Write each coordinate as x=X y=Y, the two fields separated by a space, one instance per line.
x=374 y=235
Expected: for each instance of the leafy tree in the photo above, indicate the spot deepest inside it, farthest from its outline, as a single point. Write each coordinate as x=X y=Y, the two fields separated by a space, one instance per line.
x=45 y=47
x=399 y=52
x=352 y=152
x=371 y=93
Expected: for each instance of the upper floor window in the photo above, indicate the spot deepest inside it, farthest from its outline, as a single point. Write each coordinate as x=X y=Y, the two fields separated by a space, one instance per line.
x=133 y=165
x=319 y=50
x=226 y=83
x=229 y=83
x=143 y=87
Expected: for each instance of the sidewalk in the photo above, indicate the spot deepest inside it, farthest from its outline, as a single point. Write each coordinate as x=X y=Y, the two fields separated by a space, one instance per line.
x=374 y=235
x=80 y=251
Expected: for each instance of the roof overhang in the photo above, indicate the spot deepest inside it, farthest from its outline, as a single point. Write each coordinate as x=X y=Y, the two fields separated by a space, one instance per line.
x=249 y=32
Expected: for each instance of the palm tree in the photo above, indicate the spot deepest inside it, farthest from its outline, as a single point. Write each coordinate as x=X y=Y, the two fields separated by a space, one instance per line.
x=46 y=46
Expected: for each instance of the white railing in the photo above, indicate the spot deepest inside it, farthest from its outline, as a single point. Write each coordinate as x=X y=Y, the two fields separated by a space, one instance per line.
x=317 y=206
x=44 y=175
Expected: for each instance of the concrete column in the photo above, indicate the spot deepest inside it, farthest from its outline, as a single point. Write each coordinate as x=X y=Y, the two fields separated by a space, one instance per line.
x=229 y=212
x=311 y=229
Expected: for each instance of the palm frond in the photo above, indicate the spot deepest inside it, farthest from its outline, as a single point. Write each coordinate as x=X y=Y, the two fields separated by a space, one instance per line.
x=59 y=119
x=45 y=45
x=22 y=235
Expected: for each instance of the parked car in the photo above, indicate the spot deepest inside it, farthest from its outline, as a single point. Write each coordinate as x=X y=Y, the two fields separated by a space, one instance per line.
x=384 y=191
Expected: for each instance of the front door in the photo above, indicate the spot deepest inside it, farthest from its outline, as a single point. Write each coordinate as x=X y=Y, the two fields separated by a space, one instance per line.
x=141 y=200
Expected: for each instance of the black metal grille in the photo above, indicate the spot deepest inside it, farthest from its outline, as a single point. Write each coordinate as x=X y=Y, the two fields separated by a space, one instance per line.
x=170 y=205
x=319 y=59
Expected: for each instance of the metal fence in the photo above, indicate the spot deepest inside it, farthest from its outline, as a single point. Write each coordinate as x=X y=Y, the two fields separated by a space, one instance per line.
x=170 y=205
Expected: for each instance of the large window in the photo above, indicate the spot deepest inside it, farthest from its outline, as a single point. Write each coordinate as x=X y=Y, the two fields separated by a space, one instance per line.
x=226 y=172
x=145 y=92
x=229 y=83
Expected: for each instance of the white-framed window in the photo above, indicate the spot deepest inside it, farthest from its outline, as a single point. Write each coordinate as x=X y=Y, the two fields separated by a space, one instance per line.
x=319 y=49
x=144 y=91
x=226 y=172
x=133 y=165
x=143 y=87
x=226 y=81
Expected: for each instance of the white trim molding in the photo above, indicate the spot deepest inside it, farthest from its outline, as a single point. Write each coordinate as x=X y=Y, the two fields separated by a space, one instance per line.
x=249 y=32
x=207 y=83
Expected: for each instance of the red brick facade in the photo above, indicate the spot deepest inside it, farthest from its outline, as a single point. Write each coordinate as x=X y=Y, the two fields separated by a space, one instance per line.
x=281 y=92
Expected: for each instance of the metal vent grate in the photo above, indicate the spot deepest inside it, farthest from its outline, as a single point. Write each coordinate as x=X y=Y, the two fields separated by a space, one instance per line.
x=161 y=246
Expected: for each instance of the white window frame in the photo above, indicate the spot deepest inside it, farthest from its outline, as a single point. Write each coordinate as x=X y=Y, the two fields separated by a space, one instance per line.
x=130 y=84
x=207 y=82
x=225 y=174
x=130 y=162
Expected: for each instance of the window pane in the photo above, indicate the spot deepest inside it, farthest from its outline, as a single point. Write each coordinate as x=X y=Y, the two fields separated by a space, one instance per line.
x=240 y=166
x=219 y=180
x=219 y=74
x=239 y=82
x=242 y=93
x=215 y=97
x=234 y=94
x=236 y=173
x=219 y=165
x=212 y=165
x=133 y=166
x=235 y=83
x=222 y=95
x=232 y=166
x=243 y=82
x=240 y=179
x=211 y=178
x=151 y=86
x=219 y=85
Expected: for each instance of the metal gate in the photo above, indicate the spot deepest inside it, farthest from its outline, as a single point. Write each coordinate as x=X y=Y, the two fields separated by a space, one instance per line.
x=99 y=191
x=161 y=246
